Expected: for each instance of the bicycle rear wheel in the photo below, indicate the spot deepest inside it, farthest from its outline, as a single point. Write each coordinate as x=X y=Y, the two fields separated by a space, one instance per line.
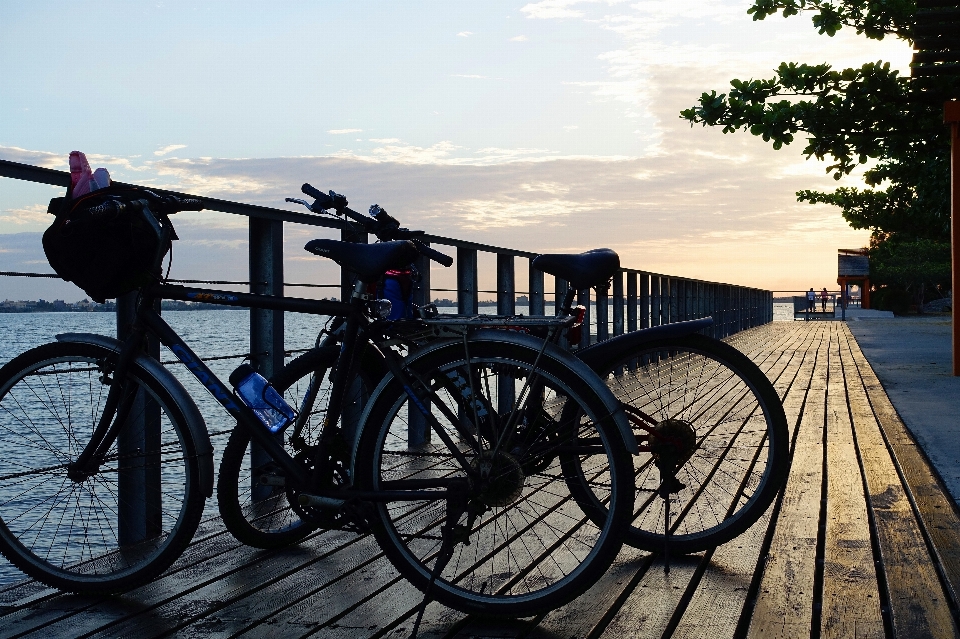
x=720 y=432
x=124 y=524
x=501 y=532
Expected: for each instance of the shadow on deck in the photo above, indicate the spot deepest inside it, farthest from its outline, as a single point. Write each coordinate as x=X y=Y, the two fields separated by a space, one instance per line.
x=862 y=542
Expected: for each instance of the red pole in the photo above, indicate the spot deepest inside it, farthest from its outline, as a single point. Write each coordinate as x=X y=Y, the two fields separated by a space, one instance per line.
x=951 y=116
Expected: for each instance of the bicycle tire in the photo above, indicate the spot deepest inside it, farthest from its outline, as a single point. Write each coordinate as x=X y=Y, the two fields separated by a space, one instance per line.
x=531 y=548
x=74 y=535
x=262 y=516
x=741 y=456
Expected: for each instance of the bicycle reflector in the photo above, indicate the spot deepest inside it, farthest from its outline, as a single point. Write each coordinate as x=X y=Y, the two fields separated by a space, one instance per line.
x=576 y=329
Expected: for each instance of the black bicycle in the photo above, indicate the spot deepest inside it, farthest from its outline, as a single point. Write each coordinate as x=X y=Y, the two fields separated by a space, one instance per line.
x=460 y=463
x=712 y=439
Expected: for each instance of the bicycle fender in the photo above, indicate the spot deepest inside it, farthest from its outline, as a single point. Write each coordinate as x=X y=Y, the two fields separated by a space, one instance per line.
x=195 y=423
x=551 y=351
x=599 y=355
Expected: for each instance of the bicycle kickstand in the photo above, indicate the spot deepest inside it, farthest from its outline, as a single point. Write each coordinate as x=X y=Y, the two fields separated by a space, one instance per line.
x=449 y=534
x=666 y=532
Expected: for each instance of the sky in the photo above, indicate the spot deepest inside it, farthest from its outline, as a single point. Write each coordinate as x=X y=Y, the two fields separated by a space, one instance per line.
x=547 y=126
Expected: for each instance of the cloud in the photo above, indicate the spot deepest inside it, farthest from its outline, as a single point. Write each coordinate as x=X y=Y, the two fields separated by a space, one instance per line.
x=570 y=127
x=169 y=148
x=551 y=9
x=465 y=34
x=705 y=205
x=45 y=159
x=519 y=38
x=34 y=214
x=342 y=131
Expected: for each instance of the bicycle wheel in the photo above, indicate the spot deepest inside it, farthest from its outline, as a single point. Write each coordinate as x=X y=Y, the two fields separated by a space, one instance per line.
x=719 y=448
x=122 y=525
x=501 y=532
x=252 y=494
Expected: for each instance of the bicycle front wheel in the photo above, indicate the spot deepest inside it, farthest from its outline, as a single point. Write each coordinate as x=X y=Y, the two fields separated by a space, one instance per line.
x=123 y=524
x=254 y=499
x=481 y=515
x=718 y=451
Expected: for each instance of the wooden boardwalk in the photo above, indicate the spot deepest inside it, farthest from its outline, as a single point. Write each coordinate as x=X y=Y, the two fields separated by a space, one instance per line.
x=863 y=542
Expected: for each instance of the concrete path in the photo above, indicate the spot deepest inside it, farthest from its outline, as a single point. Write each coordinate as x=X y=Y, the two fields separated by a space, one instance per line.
x=912 y=358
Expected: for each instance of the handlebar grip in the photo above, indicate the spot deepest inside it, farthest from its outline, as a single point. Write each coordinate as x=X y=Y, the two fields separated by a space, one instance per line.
x=189 y=204
x=322 y=199
x=433 y=254
x=307 y=189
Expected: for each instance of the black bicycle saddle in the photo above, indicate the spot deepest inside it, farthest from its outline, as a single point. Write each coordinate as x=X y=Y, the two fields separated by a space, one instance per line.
x=368 y=261
x=582 y=270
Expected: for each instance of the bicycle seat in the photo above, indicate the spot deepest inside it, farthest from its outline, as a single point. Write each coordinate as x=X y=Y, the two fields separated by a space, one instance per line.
x=368 y=261
x=582 y=270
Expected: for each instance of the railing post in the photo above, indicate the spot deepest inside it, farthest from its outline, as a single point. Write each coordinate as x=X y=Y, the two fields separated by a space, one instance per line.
x=418 y=431
x=537 y=306
x=346 y=277
x=266 y=326
x=644 y=319
x=583 y=299
x=467 y=296
x=559 y=294
x=722 y=310
x=633 y=299
x=506 y=287
x=656 y=311
x=506 y=305
x=618 y=303
x=674 y=300
x=139 y=497
x=603 y=309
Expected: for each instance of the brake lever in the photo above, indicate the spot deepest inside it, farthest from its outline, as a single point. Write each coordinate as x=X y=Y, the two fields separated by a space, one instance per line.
x=299 y=201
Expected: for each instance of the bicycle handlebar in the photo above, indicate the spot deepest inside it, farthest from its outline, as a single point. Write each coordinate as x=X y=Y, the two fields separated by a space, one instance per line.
x=166 y=205
x=384 y=226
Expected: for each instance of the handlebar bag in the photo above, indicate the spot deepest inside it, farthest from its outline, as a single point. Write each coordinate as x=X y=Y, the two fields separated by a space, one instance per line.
x=106 y=257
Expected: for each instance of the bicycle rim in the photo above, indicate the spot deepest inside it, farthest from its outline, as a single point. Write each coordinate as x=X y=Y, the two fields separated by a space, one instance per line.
x=522 y=544
x=123 y=524
x=709 y=400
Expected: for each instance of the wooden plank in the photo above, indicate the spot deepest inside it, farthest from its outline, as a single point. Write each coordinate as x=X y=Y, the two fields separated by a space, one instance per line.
x=784 y=606
x=61 y=607
x=718 y=600
x=851 y=597
x=581 y=616
x=918 y=605
x=170 y=602
x=937 y=510
x=649 y=607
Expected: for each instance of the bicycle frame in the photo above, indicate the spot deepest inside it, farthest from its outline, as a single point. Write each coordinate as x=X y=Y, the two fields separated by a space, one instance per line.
x=118 y=405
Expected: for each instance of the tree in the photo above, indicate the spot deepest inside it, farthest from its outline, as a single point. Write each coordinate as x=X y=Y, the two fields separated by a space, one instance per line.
x=851 y=117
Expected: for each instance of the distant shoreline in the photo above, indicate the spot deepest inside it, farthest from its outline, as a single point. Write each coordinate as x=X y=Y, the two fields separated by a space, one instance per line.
x=86 y=306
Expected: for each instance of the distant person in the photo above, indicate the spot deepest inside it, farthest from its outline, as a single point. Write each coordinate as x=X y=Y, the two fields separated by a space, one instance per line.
x=811 y=300
x=823 y=300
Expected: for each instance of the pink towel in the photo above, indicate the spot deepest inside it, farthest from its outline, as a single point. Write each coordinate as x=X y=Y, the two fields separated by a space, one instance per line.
x=80 y=173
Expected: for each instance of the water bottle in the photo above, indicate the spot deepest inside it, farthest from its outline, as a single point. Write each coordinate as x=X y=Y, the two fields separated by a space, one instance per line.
x=262 y=398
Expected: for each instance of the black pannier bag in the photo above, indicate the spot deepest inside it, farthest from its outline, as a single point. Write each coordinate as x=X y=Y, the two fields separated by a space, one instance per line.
x=106 y=255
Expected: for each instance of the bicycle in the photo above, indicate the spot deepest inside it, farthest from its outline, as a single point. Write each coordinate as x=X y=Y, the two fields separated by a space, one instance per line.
x=711 y=431
x=474 y=510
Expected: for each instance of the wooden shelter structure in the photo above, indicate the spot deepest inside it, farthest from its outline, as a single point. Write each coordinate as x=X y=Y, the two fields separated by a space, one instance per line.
x=853 y=267
x=936 y=32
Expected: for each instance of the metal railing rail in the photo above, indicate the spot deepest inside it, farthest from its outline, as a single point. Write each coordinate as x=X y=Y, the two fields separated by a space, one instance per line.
x=637 y=299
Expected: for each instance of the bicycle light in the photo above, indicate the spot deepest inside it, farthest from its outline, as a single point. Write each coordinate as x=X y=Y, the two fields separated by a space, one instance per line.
x=381 y=308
